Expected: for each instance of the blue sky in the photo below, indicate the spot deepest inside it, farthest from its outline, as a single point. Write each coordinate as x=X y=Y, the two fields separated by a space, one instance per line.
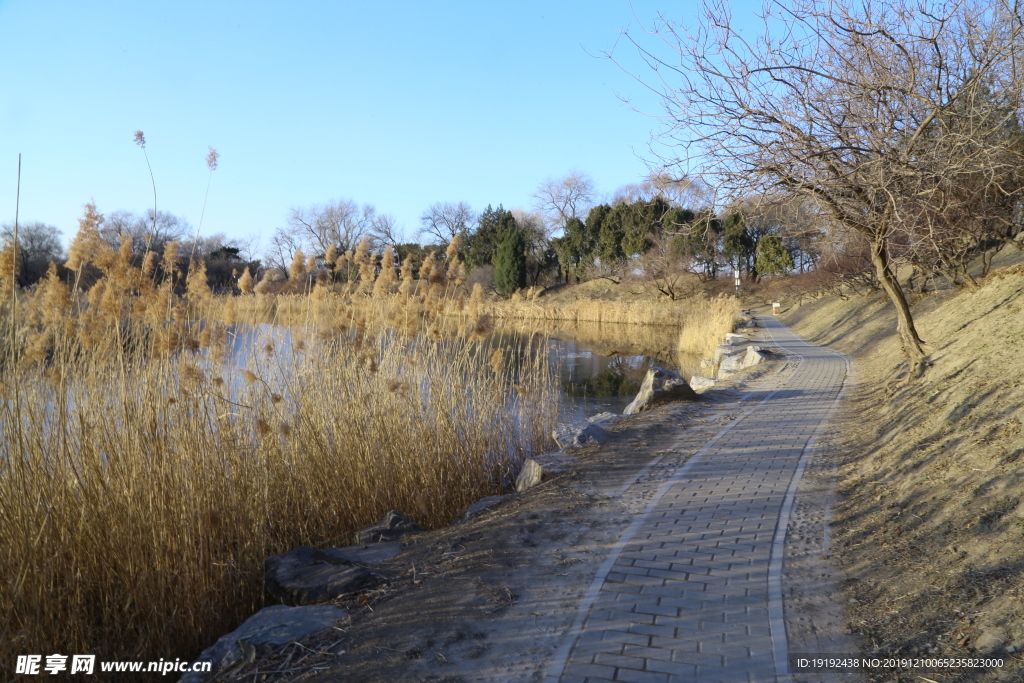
x=394 y=104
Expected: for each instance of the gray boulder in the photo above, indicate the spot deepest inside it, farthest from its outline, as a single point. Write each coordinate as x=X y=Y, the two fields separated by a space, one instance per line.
x=721 y=350
x=701 y=384
x=735 y=339
x=754 y=356
x=730 y=364
x=305 y=576
x=660 y=386
x=581 y=434
x=531 y=475
x=478 y=507
x=734 y=362
x=393 y=527
x=269 y=629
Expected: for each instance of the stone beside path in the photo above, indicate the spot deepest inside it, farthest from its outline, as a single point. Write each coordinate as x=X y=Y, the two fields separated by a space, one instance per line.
x=693 y=590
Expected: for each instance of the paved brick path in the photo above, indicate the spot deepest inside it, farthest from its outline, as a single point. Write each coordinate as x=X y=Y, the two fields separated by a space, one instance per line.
x=693 y=591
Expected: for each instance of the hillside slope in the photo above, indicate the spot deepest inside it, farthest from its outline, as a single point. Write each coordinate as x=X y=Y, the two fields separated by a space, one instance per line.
x=930 y=524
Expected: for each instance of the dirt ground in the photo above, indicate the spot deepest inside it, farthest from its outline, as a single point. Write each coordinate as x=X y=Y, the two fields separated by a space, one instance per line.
x=928 y=525
x=489 y=599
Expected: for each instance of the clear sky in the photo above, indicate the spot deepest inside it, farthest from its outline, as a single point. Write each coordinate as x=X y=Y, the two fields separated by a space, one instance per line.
x=396 y=104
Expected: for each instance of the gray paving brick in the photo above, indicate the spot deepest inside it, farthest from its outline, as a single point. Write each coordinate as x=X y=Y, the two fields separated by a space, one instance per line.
x=632 y=676
x=687 y=598
x=610 y=659
x=590 y=670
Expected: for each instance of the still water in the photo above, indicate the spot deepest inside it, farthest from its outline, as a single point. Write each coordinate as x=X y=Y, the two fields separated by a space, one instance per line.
x=594 y=383
x=600 y=367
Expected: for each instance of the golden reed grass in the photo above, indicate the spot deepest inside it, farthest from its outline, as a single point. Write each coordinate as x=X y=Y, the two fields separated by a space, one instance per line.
x=702 y=322
x=159 y=442
x=153 y=455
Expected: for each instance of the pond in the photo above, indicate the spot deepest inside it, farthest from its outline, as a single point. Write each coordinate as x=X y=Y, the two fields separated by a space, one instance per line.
x=600 y=366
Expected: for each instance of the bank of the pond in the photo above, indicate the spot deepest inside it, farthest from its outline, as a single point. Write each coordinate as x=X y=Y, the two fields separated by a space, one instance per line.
x=487 y=599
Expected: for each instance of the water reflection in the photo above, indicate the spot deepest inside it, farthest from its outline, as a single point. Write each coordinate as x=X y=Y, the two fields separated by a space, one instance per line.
x=593 y=382
x=600 y=366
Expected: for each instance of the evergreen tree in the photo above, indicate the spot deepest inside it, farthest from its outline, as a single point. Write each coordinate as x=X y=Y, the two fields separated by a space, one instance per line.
x=641 y=223
x=574 y=247
x=773 y=258
x=510 y=263
x=492 y=228
x=737 y=244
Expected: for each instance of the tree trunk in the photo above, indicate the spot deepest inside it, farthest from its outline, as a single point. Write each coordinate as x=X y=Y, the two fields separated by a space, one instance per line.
x=908 y=332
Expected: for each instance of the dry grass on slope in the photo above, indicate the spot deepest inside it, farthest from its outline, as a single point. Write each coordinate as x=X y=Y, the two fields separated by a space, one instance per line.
x=930 y=529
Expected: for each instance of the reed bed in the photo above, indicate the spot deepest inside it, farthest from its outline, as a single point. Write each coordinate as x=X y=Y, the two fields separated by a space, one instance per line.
x=160 y=442
x=158 y=447
x=702 y=322
x=708 y=321
x=644 y=312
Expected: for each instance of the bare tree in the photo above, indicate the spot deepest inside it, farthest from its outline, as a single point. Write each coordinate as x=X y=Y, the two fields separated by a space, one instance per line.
x=570 y=196
x=314 y=229
x=873 y=111
x=281 y=249
x=146 y=232
x=384 y=230
x=684 y=191
x=39 y=244
x=445 y=220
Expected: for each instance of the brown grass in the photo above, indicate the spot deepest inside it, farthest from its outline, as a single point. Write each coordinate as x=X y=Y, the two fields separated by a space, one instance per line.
x=148 y=468
x=158 y=446
x=929 y=524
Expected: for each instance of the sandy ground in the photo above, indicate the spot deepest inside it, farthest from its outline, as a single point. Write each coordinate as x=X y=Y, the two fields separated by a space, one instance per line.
x=816 y=621
x=489 y=600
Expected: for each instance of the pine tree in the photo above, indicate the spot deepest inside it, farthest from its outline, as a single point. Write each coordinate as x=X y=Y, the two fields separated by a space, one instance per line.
x=773 y=258
x=510 y=264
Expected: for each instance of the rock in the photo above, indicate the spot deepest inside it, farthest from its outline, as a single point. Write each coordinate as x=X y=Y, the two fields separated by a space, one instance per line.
x=707 y=364
x=564 y=435
x=269 y=629
x=730 y=364
x=754 y=356
x=553 y=463
x=540 y=467
x=734 y=362
x=603 y=418
x=735 y=339
x=581 y=434
x=721 y=350
x=306 y=576
x=476 y=508
x=391 y=528
x=990 y=640
x=593 y=433
x=660 y=386
x=701 y=384
x=529 y=476
x=365 y=554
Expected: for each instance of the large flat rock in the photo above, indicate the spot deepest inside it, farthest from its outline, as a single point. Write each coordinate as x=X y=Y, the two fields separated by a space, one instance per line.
x=660 y=386
x=391 y=528
x=267 y=630
x=305 y=576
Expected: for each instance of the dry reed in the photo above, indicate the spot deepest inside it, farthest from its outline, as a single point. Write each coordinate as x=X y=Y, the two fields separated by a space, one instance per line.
x=155 y=453
x=157 y=447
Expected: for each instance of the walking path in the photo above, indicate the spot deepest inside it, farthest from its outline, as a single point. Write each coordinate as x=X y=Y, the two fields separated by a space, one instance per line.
x=693 y=590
